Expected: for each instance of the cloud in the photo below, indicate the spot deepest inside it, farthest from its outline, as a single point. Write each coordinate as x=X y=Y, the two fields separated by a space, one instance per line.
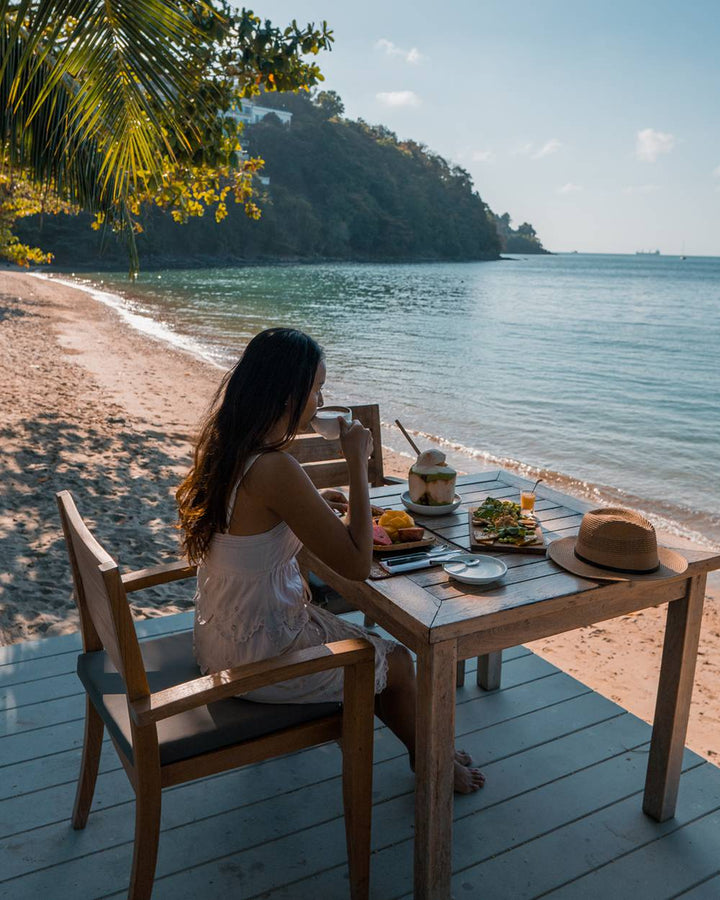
x=483 y=156
x=523 y=149
x=569 y=188
x=649 y=144
x=412 y=56
x=537 y=152
x=547 y=148
x=716 y=172
x=641 y=189
x=399 y=98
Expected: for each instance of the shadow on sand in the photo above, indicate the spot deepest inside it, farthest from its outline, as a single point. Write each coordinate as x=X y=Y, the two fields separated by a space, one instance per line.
x=123 y=483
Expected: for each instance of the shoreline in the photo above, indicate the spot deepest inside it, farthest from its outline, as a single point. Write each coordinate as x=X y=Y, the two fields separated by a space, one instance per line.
x=94 y=406
x=680 y=523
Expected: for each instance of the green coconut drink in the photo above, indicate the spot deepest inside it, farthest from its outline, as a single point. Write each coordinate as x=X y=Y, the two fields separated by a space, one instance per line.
x=431 y=481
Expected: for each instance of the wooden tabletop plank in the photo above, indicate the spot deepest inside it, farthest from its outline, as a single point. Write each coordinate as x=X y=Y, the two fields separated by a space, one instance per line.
x=447 y=588
x=436 y=574
x=466 y=604
x=460 y=534
x=553 y=595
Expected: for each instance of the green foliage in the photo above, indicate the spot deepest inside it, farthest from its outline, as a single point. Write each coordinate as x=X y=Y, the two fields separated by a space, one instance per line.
x=348 y=190
x=20 y=197
x=524 y=239
x=338 y=189
x=110 y=104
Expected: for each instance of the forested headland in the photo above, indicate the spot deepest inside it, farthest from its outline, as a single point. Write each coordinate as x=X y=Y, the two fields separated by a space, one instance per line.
x=339 y=189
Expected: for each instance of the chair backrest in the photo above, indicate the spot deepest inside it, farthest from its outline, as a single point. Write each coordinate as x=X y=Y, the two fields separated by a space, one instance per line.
x=105 y=616
x=323 y=459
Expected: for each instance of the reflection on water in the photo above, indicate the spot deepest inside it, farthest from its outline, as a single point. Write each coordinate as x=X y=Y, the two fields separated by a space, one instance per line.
x=603 y=368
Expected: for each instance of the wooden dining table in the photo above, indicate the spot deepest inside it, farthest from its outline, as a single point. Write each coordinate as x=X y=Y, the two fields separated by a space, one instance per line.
x=445 y=622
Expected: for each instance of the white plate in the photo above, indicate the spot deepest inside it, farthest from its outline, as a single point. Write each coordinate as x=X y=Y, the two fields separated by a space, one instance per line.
x=423 y=510
x=488 y=569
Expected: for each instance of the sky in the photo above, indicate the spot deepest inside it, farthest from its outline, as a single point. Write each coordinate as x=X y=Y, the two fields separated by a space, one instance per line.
x=598 y=121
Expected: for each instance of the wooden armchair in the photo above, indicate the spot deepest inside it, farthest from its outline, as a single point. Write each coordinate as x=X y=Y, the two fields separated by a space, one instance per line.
x=326 y=466
x=169 y=724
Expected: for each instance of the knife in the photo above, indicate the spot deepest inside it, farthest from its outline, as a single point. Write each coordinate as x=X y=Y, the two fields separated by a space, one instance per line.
x=419 y=554
x=423 y=563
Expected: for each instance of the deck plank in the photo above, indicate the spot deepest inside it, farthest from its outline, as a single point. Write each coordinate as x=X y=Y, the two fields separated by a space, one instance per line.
x=535 y=868
x=709 y=889
x=53 y=777
x=659 y=869
x=565 y=769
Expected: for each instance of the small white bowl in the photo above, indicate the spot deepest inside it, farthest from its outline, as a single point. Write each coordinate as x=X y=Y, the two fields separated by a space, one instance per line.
x=423 y=510
x=326 y=421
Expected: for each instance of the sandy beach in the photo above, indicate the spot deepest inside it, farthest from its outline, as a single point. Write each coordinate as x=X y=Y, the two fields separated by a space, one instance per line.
x=93 y=406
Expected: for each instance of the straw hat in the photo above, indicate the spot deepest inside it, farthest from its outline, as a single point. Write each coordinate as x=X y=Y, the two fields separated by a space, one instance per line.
x=616 y=544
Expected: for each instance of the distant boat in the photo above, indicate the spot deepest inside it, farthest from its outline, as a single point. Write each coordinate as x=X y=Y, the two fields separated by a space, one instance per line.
x=647 y=253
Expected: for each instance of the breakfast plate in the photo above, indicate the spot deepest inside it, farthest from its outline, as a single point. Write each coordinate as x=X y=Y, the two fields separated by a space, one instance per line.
x=421 y=510
x=500 y=525
x=472 y=569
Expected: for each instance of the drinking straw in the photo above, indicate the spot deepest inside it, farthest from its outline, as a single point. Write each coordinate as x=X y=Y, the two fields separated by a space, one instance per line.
x=535 y=485
x=409 y=439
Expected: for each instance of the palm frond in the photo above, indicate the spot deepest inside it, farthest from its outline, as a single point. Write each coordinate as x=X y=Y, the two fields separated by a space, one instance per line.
x=123 y=65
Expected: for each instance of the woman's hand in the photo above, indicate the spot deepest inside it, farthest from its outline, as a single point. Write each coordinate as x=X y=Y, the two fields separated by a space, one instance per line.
x=356 y=442
x=335 y=500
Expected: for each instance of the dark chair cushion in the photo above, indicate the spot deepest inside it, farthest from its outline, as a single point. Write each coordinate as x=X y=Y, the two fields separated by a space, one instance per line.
x=323 y=595
x=169 y=661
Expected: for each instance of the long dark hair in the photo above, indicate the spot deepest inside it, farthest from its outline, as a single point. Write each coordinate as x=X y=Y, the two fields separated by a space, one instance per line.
x=274 y=376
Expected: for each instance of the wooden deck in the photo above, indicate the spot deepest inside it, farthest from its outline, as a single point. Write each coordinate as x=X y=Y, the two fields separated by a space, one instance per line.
x=560 y=816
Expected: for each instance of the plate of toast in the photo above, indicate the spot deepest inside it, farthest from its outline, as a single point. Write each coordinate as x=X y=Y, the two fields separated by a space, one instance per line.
x=501 y=525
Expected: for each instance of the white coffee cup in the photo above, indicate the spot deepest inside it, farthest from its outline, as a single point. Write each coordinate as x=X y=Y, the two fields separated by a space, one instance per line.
x=326 y=421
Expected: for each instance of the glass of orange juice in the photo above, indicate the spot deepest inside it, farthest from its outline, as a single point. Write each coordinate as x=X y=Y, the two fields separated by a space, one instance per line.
x=527 y=503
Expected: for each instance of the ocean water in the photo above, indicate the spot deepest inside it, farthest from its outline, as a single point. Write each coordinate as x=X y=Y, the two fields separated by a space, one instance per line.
x=599 y=372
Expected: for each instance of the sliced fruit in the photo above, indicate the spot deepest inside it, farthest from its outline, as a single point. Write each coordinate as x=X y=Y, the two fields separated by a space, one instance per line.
x=411 y=534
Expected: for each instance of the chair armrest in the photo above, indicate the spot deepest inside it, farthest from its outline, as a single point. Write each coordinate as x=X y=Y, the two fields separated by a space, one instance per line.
x=241 y=679
x=393 y=479
x=144 y=578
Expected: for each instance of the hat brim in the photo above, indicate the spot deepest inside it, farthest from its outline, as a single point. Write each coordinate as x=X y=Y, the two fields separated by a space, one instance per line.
x=562 y=552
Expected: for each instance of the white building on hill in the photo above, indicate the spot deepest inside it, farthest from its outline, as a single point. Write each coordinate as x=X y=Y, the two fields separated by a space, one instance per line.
x=251 y=112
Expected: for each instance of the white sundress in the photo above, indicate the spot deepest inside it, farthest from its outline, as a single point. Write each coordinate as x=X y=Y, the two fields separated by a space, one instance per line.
x=252 y=603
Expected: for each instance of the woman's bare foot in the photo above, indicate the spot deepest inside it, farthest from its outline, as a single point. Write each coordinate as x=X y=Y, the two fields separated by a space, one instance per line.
x=467 y=780
x=463 y=757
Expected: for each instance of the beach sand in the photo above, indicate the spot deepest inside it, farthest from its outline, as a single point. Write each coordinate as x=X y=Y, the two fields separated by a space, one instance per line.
x=93 y=406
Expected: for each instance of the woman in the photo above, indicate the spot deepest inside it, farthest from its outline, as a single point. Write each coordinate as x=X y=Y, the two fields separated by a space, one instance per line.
x=247 y=507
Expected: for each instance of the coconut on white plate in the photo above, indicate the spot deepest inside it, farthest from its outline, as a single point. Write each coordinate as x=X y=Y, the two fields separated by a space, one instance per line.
x=431 y=481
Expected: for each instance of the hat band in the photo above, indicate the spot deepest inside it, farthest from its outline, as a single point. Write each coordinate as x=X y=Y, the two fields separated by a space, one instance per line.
x=591 y=562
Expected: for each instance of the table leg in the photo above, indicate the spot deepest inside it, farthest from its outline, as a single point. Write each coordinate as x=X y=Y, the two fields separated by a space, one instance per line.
x=489 y=671
x=435 y=746
x=682 y=633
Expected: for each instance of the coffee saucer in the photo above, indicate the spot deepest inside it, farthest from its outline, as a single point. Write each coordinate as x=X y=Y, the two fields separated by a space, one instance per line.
x=477 y=570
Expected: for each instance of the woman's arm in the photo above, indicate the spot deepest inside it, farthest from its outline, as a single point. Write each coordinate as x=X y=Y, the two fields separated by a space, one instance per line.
x=285 y=488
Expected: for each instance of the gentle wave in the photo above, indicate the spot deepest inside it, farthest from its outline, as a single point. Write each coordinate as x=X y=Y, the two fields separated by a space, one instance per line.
x=669 y=521
x=138 y=319
x=684 y=522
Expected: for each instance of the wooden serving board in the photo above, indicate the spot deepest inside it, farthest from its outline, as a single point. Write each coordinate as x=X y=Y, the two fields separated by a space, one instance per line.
x=384 y=549
x=539 y=547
